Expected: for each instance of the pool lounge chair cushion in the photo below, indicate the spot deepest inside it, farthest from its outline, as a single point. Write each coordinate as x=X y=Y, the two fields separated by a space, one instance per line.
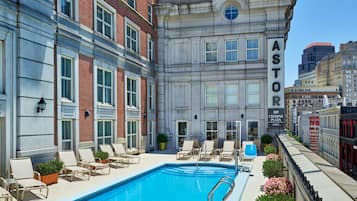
x=121 y=152
x=250 y=151
x=22 y=171
x=186 y=150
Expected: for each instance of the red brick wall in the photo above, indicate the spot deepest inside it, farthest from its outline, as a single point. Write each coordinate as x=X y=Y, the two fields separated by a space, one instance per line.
x=143 y=90
x=121 y=103
x=123 y=10
x=85 y=98
x=86 y=13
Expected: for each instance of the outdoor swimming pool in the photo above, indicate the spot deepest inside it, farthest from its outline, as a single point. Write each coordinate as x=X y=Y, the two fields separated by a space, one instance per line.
x=168 y=182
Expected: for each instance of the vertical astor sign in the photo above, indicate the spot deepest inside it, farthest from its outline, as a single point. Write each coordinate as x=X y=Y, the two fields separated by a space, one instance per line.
x=276 y=82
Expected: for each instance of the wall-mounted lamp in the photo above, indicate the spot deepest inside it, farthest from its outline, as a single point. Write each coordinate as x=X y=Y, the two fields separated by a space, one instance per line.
x=242 y=116
x=144 y=115
x=41 y=105
x=86 y=113
x=195 y=116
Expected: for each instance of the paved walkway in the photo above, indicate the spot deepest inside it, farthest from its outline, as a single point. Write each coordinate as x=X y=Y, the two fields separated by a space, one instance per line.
x=65 y=190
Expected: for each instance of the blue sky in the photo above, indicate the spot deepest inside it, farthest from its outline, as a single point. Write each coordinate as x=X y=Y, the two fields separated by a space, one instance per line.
x=332 y=21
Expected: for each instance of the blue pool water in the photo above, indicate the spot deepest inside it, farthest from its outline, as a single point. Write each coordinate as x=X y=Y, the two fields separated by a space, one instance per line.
x=168 y=183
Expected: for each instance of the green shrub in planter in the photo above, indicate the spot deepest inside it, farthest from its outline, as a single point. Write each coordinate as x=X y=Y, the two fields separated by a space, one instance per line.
x=272 y=168
x=278 y=197
x=270 y=149
x=161 y=138
x=266 y=139
x=102 y=155
x=49 y=167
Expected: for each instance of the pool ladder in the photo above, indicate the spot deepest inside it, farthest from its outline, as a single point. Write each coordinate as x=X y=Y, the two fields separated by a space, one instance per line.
x=224 y=180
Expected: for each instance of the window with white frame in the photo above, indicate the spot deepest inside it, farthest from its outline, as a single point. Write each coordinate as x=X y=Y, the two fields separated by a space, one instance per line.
x=151 y=133
x=252 y=49
x=105 y=22
x=231 y=91
x=211 y=130
x=211 y=95
x=231 y=50
x=104 y=86
x=151 y=49
x=67 y=135
x=132 y=134
x=132 y=3
x=211 y=51
x=231 y=130
x=131 y=92
x=67 y=78
x=67 y=8
x=132 y=39
x=150 y=13
x=105 y=132
x=253 y=94
x=2 y=68
x=151 y=97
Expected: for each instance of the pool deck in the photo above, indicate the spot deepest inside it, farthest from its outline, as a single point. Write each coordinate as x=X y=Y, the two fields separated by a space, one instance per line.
x=65 y=190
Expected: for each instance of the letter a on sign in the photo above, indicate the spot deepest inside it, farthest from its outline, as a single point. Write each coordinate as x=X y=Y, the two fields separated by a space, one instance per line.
x=276 y=46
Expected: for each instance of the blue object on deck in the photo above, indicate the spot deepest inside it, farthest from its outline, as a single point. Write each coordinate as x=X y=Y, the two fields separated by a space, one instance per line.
x=250 y=151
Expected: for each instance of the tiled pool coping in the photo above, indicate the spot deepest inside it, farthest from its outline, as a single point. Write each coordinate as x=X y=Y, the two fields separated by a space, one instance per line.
x=240 y=181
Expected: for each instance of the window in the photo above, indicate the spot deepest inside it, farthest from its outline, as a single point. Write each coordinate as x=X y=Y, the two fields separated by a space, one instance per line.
x=231 y=13
x=104 y=86
x=67 y=135
x=66 y=78
x=132 y=39
x=211 y=130
x=131 y=91
x=211 y=95
x=67 y=8
x=151 y=133
x=131 y=3
x=231 y=94
x=253 y=91
x=132 y=136
x=252 y=49
x=151 y=98
x=150 y=13
x=211 y=51
x=104 y=22
x=105 y=132
x=231 y=130
x=151 y=49
x=232 y=50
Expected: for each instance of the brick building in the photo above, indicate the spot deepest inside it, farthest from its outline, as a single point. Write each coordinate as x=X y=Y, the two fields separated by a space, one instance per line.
x=348 y=141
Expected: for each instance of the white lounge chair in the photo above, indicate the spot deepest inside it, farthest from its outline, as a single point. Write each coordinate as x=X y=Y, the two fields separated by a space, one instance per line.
x=227 y=150
x=185 y=150
x=114 y=160
x=4 y=194
x=207 y=149
x=87 y=159
x=22 y=171
x=119 y=150
x=71 y=166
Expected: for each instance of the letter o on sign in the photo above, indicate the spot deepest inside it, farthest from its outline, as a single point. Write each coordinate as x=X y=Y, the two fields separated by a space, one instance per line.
x=276 y=86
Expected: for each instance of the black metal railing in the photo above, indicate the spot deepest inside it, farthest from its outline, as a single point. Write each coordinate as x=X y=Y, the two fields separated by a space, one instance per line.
x=309 y=188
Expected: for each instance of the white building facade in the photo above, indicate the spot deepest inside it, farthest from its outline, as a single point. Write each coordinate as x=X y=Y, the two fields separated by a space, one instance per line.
x=213 y=67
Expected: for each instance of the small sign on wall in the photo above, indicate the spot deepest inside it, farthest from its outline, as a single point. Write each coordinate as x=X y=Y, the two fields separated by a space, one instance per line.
x=276 y=82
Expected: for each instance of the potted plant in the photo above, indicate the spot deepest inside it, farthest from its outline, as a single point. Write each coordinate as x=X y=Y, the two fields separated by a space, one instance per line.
x=266 y=139
x=272 y=168
x=270 y=149
x=49 y=171
x=102 y=156
x=161 y=140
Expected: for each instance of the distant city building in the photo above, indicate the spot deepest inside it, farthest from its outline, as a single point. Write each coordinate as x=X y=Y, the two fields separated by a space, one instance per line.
x=309 y=124
x=298 y=99
x=329 y=140
x=313 y=53
x=348 y=141
x=308 y=79
x=340 y=69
